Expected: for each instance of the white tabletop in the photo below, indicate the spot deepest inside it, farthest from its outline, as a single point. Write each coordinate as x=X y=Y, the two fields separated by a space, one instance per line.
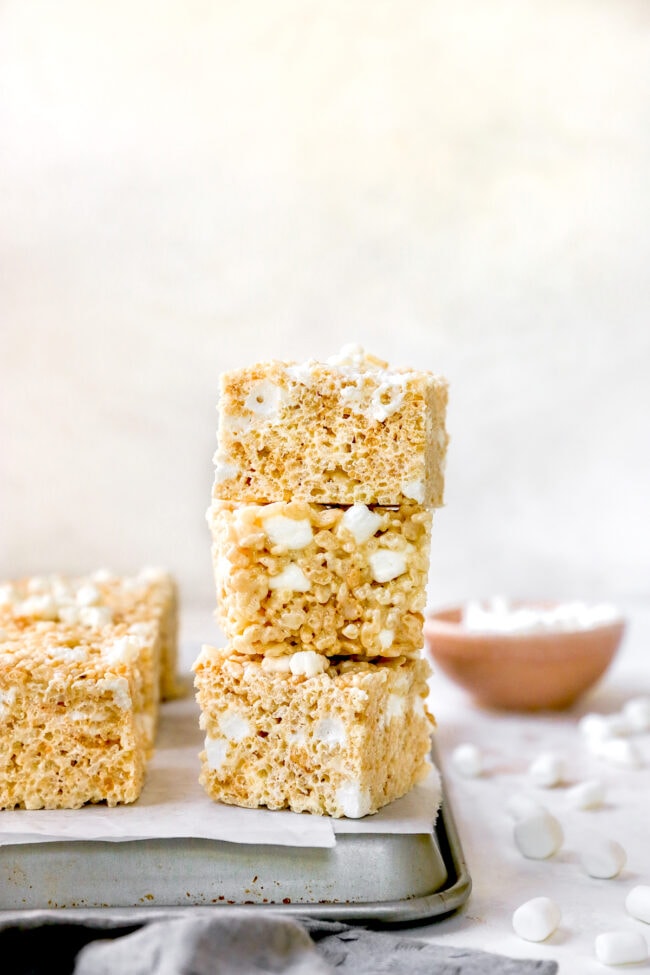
x=502 y=878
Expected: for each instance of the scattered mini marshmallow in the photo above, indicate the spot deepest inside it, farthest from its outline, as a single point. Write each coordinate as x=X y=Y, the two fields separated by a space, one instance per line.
x=620 y=947
x=601 y=857
x=519 y=805
x=468 y=760
x=637 y=712
x=586 y=795
x=536 y=919
x=538 y=835
x=594 y=726
x=637 y=903
x=617 y=751
x=548 y=770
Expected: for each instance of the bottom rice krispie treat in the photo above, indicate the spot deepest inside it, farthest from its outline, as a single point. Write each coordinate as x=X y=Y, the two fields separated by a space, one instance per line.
x=304 y=732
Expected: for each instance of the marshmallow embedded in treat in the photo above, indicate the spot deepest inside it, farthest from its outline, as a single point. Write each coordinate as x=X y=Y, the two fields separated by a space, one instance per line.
x=536 y=919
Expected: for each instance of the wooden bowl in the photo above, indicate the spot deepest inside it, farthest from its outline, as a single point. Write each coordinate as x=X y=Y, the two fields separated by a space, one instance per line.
x=522 y=671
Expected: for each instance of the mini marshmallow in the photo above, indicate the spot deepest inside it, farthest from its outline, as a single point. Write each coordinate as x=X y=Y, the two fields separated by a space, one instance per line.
x=594 y=727
x=617 y=751
x=548 y=770
x=536 y=919
x=586 y=795
x=519 y=806
x=467 y=760
x=539 y=835
x=602 y=858
x=620 y=947
x=637 y=903
x=637 y=712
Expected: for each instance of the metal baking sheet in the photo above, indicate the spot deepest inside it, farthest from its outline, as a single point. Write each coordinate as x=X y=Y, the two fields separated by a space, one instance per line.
x=383 y=878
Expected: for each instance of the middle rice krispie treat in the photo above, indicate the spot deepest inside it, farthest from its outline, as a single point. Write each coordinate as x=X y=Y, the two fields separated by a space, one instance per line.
x=309 y=734
x=339 y=580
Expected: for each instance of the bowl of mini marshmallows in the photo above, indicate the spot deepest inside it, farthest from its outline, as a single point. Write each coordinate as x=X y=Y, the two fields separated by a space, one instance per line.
x=524 y=656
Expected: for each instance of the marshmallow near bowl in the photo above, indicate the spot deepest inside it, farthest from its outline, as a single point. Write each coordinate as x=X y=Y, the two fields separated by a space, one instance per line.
x=524 y=656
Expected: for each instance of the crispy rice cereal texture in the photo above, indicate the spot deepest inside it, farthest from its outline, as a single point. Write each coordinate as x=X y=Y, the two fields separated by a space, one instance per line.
x=74 y=729
x=347 y=430
x=341 y=581
x=342 y=742
x=84 y=662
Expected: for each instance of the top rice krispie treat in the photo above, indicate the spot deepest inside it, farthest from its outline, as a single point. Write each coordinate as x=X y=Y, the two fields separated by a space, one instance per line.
x=348 y=430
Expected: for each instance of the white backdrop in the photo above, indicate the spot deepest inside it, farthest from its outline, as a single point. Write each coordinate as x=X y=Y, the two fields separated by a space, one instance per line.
x=188 y=187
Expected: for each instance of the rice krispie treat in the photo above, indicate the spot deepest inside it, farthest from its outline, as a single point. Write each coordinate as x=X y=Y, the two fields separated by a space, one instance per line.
x=73 y=717
x=303 y=732
x=132 y=605
x=338 y=432
x=341 y=581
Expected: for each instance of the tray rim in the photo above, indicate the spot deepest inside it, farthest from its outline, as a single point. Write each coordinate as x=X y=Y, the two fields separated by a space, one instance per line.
x=410 y=910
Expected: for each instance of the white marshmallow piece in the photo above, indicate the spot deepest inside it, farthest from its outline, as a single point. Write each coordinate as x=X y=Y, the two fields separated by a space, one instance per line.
x=539 y=835
x=602 y=858
x=548 y=770
x=637 y=712
x=586 y=795
x=467 y=759
x=361 y=522
x=536 y=919
x=637 y=903
x=308 y=662
x=620 y=947
x=289 y=533
x=617 y=751
x=386 y=564
x=519 y=806
x=292 y=578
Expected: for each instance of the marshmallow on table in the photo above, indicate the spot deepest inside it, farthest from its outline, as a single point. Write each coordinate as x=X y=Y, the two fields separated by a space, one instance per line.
x=620 y=947
x=586 y=795
x=617 y=751
x=537 y=919
x=467 y=760
x=637 y=712
x=538 y=835
x=637 y=903
x=547 y=770
x=602 y=858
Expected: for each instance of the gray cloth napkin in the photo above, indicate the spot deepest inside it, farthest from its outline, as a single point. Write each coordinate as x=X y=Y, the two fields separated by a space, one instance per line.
x=239 y=942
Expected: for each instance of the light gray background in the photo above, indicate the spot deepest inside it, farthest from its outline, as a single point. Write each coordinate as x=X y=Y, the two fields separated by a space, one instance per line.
x=186 y=187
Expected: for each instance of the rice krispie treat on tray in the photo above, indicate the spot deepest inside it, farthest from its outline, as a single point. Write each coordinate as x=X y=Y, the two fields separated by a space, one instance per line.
x=73 y=719
x=339 y=580
x=306 y=733
x=338 y=432
x=84 y=661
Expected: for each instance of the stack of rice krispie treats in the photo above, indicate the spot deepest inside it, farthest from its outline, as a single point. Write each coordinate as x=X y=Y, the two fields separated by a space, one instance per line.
x=84 y=664
x=326 y=477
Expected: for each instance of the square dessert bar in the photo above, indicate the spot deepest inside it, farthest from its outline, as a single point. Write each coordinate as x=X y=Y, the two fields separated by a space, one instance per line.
x=338 y=432
x=338 y=738
x=73 y=719
x=338 y=580
x=84 y=662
